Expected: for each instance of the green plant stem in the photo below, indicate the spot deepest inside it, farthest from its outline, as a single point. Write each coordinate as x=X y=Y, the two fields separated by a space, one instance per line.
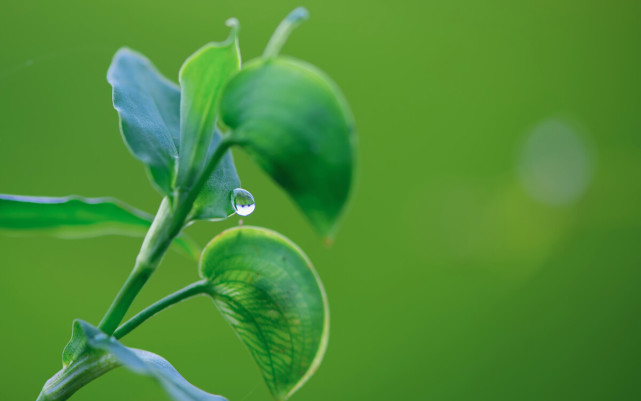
x=189 y=291
x=89 y=367
x=74 y=376
x=169 y=221
x=165 y=227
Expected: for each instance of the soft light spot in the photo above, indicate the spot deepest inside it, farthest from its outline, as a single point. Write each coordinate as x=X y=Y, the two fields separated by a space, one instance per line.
x=555 y=165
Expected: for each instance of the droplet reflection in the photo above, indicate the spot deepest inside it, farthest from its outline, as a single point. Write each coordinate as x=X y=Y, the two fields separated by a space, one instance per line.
x=243 y=202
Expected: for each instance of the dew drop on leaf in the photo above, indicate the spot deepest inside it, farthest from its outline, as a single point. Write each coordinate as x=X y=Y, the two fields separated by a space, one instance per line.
x=243 y=202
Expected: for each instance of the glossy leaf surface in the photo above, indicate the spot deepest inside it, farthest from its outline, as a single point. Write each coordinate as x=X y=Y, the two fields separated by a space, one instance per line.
x=87 y=339
x=294 y=122
x=148 y=105
x=202 y=77
x=268 y=291
x=77 y=217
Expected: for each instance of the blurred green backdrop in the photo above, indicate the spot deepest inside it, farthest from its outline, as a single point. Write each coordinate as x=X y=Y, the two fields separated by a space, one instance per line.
x=493 y=248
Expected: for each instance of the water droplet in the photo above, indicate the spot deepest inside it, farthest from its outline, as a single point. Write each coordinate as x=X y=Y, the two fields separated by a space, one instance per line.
x=243 y=202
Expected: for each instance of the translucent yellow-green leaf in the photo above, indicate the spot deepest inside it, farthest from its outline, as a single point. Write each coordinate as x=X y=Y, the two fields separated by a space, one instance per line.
x=268 y=291
x=202 y=77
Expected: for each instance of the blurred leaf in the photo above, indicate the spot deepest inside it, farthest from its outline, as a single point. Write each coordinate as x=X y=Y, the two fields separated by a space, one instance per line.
x=294 y=122
x=214 y=200
x=268 y=291
x=201 y=78
x=148 y=105
x=77 y=217
x=87 y=339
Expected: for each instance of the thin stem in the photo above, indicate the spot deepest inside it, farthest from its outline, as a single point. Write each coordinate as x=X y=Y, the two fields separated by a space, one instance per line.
x=189 y=291
x=278 y=39
x=165 y=227
x=169 y=221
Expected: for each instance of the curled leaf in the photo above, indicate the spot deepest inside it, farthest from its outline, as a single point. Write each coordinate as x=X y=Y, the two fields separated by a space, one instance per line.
x=268 y=291
x=294 y=122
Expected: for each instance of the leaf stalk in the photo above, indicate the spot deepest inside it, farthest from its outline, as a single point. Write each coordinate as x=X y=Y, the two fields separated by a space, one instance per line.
x=197 y=288
x=165 y=227
x=169 y=221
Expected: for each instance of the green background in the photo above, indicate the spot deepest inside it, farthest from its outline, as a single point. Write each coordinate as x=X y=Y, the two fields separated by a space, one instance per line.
x=453 y=277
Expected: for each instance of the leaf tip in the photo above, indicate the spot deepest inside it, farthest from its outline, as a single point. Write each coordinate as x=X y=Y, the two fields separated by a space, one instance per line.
x=234 y=25
x=299 y=14
x=284 y=29
x=328 y=241
x=124 y=49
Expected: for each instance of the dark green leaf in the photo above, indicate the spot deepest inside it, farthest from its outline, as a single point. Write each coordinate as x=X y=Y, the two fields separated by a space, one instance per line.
x=294 y=122
x=148 y=105
x=201 y=78
x=77 y=217
x=87 y=339
x=268 y=291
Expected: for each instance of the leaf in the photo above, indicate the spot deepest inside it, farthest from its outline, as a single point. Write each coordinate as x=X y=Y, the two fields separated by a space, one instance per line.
x=201 y=78
x=268 y=291
x=214 y=200
x=77 y=217
x=294 y=122
x=87 y=339
x=148 y=105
